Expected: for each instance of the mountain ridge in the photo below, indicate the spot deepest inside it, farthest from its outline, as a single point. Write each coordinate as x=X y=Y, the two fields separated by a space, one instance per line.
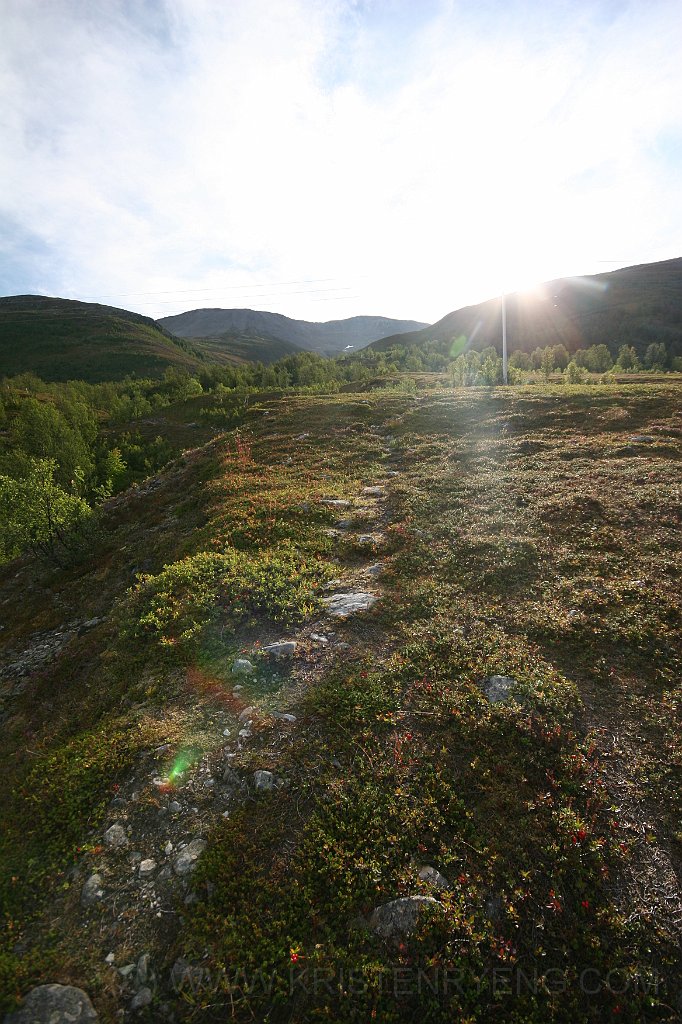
x=634 y=305
x=328 y=337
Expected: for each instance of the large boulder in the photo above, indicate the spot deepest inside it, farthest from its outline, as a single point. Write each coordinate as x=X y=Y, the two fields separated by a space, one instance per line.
x=54 y=1004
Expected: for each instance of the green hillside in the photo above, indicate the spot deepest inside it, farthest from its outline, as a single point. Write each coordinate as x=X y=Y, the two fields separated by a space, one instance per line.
x=459 y=784
x=634 y=306
x=62 y=339
x=245 y=347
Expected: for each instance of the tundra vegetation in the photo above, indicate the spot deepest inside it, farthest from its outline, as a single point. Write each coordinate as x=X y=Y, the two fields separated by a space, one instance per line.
x=530 y=532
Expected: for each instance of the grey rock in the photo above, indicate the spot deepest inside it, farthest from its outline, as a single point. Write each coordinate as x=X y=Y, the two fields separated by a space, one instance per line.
x=283 y=716
x=168 y=848
x=399 y=917
x=126 y=971
x=247 y=714
x=374 y=570
x=433 y=877
x=231 y=778
x=92 y=891
x=54 y=1004
x=493 y=907
x=183 y=973
x=642 y=438
x=374 y=492
x=147 y=868
x=335 y=502
x=497 y=688
x=115 y=837
x=143 y=970
x=186 y=860
x=342 y=605
x=263 y=780
x=174 y=807
x=242 y=666
x=282 y=649
x=141 y=999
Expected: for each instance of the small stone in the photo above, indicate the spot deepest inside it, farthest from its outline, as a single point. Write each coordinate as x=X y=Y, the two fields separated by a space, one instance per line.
x=115 y=837
x=168 y=848
x=335 y=502
x=366 y=538
x=247 y=714
x=126 y=971
x=641 y=438
x=319 y=638
x=433 y=877
x=136 y=858
x=92 y=890
x=53 y=1004
x=143 y=970
x=283 y=716
x=263 y=780
x=497 y=688
x=399 y=917
x=110 y=958
x=174 y=807
x=187 y=859
x=141 y=998
x=375 y=570
x=374 y=492
x=282 y=649
x=226 y=732
x=209 y=783
x=342 y=605
x=231 y=778
x=242 y=666
x=147 y=868
x=245 y=734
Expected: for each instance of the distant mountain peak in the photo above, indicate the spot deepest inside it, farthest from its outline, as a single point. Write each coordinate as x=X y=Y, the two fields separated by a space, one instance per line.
x=328 y=337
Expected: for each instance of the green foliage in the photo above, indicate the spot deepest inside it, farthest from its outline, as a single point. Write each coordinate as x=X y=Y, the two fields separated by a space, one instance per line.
x=36 y=513
x=656 y=356
x=575 y=374
x=176 y=607
x=628 y=359
x=41 y=431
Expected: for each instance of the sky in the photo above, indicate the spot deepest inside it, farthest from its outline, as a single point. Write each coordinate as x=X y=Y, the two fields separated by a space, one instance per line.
x=329 y=158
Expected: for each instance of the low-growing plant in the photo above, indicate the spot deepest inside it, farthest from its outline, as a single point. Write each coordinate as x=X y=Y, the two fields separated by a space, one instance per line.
x=176 y=607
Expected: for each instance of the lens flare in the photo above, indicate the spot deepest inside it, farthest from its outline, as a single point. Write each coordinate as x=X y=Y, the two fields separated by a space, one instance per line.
x=458 y=345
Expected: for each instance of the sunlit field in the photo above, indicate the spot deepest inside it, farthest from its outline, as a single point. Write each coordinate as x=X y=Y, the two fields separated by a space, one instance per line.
x=530 y=533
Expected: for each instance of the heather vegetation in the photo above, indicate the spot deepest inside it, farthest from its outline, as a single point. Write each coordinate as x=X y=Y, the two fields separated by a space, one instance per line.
x=174 y=551
x=528 y=533
x=67 y=447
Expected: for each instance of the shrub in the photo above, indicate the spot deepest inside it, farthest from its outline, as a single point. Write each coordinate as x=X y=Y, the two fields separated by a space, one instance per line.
x=176 y=607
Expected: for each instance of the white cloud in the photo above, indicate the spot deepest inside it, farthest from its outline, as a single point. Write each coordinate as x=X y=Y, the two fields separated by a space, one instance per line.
x=417 y=164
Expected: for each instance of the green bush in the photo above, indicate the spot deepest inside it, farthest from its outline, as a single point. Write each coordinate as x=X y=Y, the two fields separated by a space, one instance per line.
x=179 y=604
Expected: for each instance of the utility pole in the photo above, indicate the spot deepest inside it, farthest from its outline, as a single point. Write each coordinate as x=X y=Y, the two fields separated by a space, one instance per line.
x=504 y=338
